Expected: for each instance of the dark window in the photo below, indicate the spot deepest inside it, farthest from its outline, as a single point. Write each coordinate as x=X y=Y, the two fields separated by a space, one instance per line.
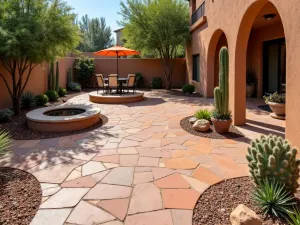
x=196 y=68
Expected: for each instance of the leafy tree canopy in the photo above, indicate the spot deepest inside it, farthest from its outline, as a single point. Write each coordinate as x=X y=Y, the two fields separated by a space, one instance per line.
x=156 y=27
x=96 y=34
x=31 y=32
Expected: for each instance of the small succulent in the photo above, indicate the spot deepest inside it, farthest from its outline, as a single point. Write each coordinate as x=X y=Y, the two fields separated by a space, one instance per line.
x=275 y=97
x=28 y=100
x=203 y=114
x=5 y=141
x=6 y=115
x=273 y=198
x=73 y=86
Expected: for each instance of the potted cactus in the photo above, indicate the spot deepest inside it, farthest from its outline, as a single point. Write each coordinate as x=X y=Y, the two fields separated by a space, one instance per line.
x=277 y=103
x=221 y=116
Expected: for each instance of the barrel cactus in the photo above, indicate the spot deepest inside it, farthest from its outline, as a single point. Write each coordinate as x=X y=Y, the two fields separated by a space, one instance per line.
x=221 y=93
x=272 y=157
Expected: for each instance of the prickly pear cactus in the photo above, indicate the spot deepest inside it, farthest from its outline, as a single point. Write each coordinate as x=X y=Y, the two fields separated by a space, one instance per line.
x=272 y=157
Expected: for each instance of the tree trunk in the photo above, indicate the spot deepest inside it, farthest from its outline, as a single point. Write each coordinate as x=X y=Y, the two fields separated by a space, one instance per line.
x=16 y=105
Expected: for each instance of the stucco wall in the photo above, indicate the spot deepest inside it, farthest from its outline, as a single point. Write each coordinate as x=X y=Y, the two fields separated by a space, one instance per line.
x=236 y=21
x=38 y=82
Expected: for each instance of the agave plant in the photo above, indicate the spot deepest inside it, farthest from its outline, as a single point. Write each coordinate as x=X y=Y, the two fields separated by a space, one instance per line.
x=5 y=141
x=294 y=217
x=273 y=198
x=28 y=100
x=203 y=114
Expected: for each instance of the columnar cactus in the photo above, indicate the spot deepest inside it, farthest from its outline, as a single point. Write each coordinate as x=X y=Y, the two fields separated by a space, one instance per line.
x=51 y=77
x=221 y=93
x=272 y=157
x=70 y=76
x=57 y=78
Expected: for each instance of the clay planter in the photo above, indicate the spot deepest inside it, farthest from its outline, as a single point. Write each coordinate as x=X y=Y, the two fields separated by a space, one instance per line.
x=277 y=108
x=250 y=90
x=221 y=126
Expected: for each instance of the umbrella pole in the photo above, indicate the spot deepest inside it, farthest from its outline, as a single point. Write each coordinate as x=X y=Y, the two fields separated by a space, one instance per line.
x=118 y=64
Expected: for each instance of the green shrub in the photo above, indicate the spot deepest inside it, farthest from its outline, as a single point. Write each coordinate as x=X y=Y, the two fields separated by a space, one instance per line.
x=42 y=100
x=5 y=141
x=139 y=80
x=273 y=198
x=85 y=67
x=156 y=83
x=6 y=115
x=62 y=92
x=251 y=78
x=294 y=217
x=28 y=100
x=275 y=97
x=73 y=86
x=203 y=114
x=188 y=88
x=52 y=95
x=272 y=157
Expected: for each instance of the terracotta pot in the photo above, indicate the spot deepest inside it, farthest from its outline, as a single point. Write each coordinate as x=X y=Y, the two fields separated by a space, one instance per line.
x=221 y=126
x=277 y=108
x=250 y=90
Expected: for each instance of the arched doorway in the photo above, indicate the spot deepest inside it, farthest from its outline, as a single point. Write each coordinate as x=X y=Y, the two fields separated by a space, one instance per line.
x=261 y=23
x=260 y=47
x=217 y=41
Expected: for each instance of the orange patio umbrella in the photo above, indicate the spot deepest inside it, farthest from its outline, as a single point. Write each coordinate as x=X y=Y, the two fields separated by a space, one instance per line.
x=117 y=51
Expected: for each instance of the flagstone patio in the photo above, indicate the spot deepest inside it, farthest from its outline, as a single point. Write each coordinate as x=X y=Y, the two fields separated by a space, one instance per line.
x=140 y=168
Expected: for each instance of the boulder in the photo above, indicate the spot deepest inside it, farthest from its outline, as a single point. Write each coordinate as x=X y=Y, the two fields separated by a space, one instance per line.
x=201 y=125
x=242 y=215
x=192 y=120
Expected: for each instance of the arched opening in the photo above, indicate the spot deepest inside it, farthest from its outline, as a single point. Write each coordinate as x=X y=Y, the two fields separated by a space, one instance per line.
x=260 y=48
x=217 y=41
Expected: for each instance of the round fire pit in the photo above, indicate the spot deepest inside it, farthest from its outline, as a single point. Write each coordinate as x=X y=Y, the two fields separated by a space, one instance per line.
x=63 y=118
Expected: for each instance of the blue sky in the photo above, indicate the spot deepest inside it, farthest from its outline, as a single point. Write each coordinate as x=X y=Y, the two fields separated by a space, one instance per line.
x=98 y=8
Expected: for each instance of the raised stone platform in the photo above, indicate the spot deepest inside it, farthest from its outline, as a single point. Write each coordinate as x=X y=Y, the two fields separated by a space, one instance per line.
x=39 y=120
x=115 y=98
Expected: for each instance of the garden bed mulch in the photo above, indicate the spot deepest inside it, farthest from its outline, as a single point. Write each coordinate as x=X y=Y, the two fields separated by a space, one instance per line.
x=178 y=92
x=20 y=196
x=216 y=203
x=187 y=126
x=18 y=129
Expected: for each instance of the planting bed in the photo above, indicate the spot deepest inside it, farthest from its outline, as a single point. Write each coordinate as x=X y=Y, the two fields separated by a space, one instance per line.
x=187 y=126
x=20 y=196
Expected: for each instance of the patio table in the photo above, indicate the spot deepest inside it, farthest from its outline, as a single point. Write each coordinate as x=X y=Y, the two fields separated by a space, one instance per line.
x=120 y=82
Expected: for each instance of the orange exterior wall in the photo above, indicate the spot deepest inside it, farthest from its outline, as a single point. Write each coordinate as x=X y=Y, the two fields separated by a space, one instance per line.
x=38 y=82
x=236 y=20
x=148 y=67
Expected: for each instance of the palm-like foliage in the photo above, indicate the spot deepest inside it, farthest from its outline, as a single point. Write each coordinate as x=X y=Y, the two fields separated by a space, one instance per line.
x=5 y=141
x=294 y=217
x=203 y=114
x=272 y=198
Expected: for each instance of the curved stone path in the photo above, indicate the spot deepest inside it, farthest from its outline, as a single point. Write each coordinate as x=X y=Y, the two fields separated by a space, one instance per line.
x=140 y=168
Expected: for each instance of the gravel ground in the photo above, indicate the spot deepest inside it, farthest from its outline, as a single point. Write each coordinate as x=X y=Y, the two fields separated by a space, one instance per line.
x=187 y=126
x=216 y=203
x=18 y=129
x=20 y=196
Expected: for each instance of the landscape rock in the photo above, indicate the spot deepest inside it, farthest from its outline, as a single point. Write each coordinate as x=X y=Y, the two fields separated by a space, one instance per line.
x=242 y=215
x=192 y=120
x=201 y=125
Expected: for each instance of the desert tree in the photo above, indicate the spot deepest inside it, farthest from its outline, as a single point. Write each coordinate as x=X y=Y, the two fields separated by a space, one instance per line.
x=32 y=32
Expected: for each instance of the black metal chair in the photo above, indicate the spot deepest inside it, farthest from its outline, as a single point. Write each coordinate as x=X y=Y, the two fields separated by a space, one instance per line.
x=101 y=83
